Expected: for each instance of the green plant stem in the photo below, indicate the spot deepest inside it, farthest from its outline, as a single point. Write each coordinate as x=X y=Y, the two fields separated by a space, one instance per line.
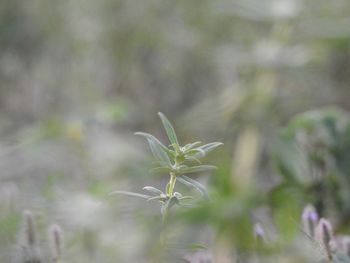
x=171 y=184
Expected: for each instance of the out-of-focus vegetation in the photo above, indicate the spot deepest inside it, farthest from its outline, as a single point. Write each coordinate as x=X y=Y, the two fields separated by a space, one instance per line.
x=270 y=79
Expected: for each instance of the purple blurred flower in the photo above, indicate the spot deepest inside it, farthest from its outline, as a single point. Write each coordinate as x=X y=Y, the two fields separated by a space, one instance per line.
x=259 y=232
x=309 y=213
x=309 y=219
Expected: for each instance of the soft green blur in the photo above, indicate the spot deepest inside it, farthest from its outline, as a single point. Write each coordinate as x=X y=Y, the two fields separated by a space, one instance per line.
x=78 y=78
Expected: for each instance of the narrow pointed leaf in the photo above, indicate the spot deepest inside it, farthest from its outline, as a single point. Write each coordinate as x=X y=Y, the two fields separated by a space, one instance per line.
x=159 y=198
x=190 y=146
x=193 y=159
x=186 y=205
x=169 y=204
x=208 y=148
x=196 y=169
x=196 y=152
x=172 y=201
x=176 y=147
x=169 y=129
x=153 y=190
x=193 y=183
x=186 y=198
x=156 y=141
x=159 y=154
x=130 y=194
x=181 y=167
x=178 y=195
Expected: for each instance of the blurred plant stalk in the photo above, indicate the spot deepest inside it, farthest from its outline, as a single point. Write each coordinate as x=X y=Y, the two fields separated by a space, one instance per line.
x=246 y=155
x=248 y=148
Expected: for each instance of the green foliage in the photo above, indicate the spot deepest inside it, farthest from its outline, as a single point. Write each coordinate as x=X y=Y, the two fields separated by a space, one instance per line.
x=176 y=160
x=314 y=155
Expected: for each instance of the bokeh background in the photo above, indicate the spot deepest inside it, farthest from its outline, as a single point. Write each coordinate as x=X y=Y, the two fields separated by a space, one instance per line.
x=78 y=78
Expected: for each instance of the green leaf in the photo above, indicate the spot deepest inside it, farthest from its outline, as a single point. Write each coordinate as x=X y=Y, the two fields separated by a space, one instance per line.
x=193 y=183
x=196 y=169
x=208 y=148
x=197 y=151
x=130 y=194
x=172 y=201
x=161 y=198
x=192 y=159
x=186 y=198
x=176 y=148
x=153 y=190
x=169 y=204
x=178 y=195
x=169 y=129
x=190 y=146
x=156 y=141
x=159 y=154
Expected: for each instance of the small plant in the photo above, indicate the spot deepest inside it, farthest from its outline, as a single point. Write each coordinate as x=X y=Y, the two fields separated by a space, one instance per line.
x=177 y=161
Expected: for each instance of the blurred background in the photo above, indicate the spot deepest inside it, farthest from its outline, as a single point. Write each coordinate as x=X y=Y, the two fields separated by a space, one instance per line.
x=78 y=78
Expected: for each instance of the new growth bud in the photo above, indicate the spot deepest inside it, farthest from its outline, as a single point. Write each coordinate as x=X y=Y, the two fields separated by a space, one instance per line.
x=309 y=219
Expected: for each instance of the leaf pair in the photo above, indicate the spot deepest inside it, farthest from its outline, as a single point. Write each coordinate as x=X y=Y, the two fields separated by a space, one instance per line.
x=171 y=159
x=160 y=152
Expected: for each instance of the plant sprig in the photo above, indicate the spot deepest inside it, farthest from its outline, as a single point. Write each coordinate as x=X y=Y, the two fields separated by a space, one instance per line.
x=177 y=161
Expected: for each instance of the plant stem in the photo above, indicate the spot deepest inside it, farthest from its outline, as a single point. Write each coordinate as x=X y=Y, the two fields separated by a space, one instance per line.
x=171 y=184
